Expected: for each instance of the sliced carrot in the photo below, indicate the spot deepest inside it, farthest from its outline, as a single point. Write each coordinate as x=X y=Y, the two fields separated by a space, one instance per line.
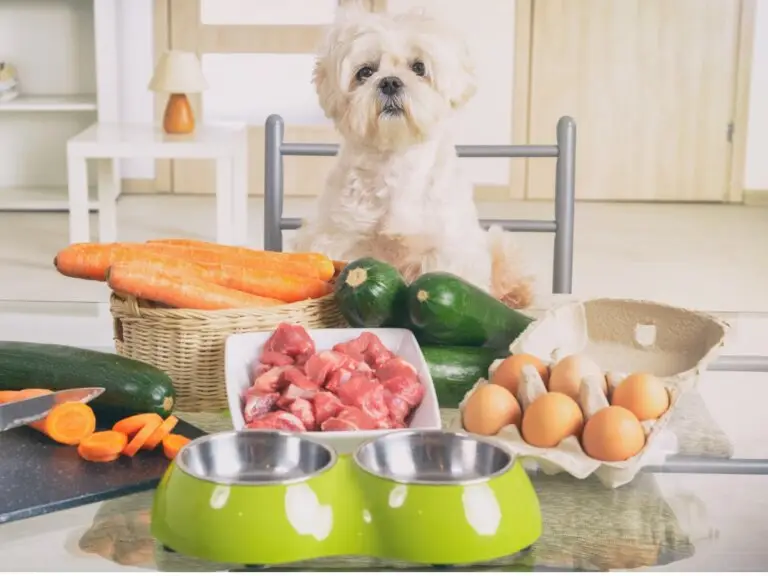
x=129 y=426
x=68 y=423
x=172 y=444
x=143 y=280
x=163 y=431
x=141 y=437
x=206 y=252
x=102 y=445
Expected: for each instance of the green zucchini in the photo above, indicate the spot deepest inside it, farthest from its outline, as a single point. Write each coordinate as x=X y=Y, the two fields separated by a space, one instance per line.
x=455 y=369
x=130 y=386
x=371 y=294
x=448 y=310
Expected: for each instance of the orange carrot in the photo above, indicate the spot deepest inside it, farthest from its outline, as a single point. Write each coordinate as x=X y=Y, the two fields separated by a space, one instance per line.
x=9 y=396
x=172 y=444
x=241 y=256
x=68 y=423
x=141 y=437
x=159 y=434
x=278 y=286
x=150 y=282
x=102 y=446
x=90 y=260
x=132 y=424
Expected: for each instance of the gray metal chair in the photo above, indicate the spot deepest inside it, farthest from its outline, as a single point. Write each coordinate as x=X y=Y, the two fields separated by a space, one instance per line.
x=562 y=226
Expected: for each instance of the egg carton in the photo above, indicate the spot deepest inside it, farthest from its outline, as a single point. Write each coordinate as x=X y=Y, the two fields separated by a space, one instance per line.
x=622 y=337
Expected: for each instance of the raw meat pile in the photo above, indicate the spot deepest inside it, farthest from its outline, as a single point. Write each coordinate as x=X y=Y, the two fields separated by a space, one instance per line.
x=359 y=385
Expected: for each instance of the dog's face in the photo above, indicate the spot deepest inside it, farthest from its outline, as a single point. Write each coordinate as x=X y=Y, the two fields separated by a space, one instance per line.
x=389 y=81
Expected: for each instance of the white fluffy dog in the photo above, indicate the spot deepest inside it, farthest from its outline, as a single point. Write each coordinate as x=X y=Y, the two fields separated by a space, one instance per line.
x=392 y=85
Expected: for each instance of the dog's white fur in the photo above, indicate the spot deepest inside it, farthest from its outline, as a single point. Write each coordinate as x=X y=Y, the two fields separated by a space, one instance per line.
x=395 y=192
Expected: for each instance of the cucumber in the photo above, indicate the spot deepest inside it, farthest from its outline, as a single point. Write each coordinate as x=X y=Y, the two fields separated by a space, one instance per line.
x=371 y=294
x=448 y=310
x=455 y=369
x=130 y=386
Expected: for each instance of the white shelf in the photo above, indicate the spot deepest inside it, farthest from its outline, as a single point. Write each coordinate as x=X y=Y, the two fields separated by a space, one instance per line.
x=39 y=199
x=51 y=103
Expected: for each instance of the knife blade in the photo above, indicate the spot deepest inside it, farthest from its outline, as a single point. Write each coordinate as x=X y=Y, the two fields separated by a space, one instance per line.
x=23 y=412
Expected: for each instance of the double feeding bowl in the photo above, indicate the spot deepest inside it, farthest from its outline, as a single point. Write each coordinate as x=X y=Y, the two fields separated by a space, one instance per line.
x=270 y=497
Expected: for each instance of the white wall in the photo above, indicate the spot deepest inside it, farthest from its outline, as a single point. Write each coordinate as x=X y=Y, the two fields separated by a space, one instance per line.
x=756 y=170
x=136 y=61
x=492 y=47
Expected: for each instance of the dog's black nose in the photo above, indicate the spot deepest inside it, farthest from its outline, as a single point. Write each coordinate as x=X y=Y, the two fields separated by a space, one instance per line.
x=390 y=85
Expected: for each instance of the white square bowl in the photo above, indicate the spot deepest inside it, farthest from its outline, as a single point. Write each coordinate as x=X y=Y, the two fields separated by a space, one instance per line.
x=242 y=350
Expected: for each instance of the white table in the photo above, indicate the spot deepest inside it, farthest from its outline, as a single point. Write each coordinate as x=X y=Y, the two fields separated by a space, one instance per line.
x=227 y=144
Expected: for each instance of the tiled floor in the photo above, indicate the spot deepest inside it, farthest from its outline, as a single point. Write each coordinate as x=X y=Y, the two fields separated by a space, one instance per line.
x=702 y=256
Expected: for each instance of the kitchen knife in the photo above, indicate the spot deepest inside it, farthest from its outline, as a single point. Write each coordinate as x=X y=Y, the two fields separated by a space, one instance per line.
x=23 y=412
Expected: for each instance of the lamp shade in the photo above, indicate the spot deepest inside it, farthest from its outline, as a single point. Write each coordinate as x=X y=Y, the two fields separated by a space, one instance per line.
x=178 y=72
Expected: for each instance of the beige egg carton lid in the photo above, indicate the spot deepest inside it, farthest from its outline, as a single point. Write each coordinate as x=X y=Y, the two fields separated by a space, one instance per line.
x=621 y=336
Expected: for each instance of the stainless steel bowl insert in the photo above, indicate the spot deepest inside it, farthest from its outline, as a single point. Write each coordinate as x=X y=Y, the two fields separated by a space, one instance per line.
x=433 y=457
x=255 y=457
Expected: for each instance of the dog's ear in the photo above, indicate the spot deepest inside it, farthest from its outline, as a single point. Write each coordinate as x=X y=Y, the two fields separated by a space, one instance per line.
x=325 y=73
x=326 y=86
x=464 y=84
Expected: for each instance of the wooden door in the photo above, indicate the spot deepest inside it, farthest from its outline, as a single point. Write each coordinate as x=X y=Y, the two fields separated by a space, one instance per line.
x=257 y=57
x=651 y=85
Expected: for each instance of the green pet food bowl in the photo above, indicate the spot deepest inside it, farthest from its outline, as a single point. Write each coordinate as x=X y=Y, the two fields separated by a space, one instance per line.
x=261 y=497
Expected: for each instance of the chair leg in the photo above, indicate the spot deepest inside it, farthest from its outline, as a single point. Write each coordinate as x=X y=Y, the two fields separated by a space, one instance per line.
x=273 y=184
x=565 y=187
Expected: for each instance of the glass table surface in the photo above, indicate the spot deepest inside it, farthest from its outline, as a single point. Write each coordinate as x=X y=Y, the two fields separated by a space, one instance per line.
x=705 y=508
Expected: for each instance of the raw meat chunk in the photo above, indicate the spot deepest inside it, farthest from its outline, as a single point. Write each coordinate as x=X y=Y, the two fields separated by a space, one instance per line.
x=349 y=419
x=296 y=377
x=397 y=406
x=365 y=348
x=397 y=367
x=291 y=392
x=257 y=404
x=291 y=340
x=271 y=358
x=278 y=421
x=321 y=365
x=269 y=381
x=411 y=391
x=302 y=409
x=335 y=380
x=365 y=393
x=326 y=405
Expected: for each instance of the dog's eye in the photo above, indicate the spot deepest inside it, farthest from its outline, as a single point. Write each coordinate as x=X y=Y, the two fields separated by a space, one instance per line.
x=363 y=73
x=418 y=68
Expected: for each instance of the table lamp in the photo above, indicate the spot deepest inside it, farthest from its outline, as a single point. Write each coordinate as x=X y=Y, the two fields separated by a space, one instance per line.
x=178 y=73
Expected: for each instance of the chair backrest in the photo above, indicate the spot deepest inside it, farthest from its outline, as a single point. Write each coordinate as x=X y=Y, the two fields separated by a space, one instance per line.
x=562 y=226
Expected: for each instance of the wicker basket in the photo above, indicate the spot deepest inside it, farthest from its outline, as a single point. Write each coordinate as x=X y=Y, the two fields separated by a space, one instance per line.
x=189 y=344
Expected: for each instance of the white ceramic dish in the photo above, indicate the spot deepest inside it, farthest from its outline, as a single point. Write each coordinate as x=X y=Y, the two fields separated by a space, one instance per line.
x=242 y=350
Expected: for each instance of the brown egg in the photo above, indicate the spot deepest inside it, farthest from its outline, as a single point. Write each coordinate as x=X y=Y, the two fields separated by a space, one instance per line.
x=509 y=372
x=489 y=409
x=642 y=394
x=551 y=418
x=613 y=434
x=567 y=374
